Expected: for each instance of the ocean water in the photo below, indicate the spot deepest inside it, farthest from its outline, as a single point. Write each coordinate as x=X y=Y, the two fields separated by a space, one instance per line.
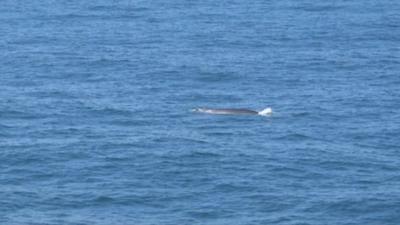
x=96 y=124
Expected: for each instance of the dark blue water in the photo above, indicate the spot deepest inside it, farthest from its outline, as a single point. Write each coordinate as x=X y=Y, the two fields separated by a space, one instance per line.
x=96 y=127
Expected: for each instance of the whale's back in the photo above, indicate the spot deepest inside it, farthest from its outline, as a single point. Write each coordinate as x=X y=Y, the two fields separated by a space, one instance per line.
x=226 y=111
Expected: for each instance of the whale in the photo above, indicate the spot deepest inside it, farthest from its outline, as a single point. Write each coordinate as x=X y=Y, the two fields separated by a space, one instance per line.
x=233 y=111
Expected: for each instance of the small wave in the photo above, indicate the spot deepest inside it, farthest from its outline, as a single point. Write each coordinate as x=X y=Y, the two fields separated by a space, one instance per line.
x=219 y=133
x=293 y=137
x=15 y=114
x=199 y=154
x=103 y=199
x=127 y=123
x=317 y=8
x=229 y=187
x=2 y=126
x=301 y=114
x=112 y=111
x=52 y=94
x=217 y=77
x=204 y=214
x=115 y=8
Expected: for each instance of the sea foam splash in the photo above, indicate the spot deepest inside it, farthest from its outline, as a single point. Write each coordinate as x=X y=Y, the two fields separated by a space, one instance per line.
x=265 y=112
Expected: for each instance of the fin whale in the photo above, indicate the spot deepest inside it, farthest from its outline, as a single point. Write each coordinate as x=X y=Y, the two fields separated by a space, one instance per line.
x=233 y=111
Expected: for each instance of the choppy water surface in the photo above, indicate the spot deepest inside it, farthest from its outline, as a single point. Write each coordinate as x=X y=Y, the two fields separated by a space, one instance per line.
x=96 y=127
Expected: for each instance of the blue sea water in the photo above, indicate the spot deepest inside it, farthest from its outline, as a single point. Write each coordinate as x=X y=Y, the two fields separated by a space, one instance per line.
x=96 y=127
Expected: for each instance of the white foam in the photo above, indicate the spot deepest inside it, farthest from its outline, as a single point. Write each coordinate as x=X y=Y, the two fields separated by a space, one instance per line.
x=265 y=112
